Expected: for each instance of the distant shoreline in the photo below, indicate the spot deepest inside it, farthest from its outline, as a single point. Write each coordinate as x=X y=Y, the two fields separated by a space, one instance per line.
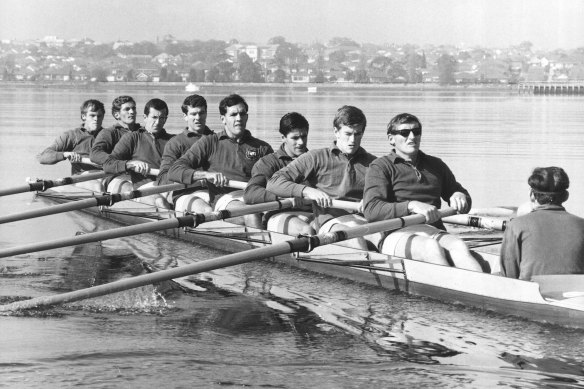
x=180 y=86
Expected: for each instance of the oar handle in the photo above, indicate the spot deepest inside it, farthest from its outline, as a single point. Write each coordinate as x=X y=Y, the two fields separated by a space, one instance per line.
x=477 y=221
x=348 y=205
x=237 y=184
x=88 y=161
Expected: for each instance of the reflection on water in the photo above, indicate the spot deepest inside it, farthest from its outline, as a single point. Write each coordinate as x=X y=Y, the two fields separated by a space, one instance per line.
x=263 y=325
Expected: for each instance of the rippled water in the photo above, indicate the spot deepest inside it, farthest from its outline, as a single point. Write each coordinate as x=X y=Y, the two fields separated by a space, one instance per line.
x=262 y=325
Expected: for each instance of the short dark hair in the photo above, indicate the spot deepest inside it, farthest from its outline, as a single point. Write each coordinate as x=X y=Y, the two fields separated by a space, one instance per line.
x=193 y=101
x=402 y=118
x=291 y=121
x=157 y=104
x=230 y=101
x=349 y=116
x=94 y=105
x=549 y=185
x=119 y=101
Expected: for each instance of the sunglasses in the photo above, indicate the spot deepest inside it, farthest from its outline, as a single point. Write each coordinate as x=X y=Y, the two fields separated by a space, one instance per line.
x=406 y=133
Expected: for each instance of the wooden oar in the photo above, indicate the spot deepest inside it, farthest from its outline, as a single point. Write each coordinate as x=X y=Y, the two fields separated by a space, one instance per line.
x=492 y=223
x=305 y=244
x=477 y=221
x=87 y=161
x=104 y=200
x=183 y=221
x=42 y=185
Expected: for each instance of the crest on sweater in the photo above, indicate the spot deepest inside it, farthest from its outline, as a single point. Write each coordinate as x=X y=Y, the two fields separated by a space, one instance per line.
x=252 y=154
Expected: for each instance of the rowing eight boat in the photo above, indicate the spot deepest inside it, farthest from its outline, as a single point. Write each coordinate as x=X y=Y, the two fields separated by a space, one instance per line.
x=552 y=299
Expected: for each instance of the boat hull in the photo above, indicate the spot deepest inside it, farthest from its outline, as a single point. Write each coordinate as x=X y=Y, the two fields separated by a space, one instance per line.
x=480 y=290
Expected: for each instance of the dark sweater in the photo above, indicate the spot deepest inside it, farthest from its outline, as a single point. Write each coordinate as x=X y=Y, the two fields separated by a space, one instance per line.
x=548 y=240
x=391 y=184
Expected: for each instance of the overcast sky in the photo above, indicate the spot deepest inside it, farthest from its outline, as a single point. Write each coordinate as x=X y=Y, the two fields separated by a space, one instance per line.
x=548 y=24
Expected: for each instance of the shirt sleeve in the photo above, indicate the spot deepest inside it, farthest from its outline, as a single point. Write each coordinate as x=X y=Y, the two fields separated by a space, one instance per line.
x=169 y=156
x=379 y=200
x=122 y=152
x=255 y=191
x=451 y=186
x=54 y=153
x=182 y=169
x=286 y=182
x=102 y=147
x=510 y=253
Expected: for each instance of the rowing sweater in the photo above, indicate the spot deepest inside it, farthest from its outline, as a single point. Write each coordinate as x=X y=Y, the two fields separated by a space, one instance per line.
x=138 y=145
x=175 y=148
x=255 y=191
x=220 y=153
x=337 y=174
x=548 y=240
x=391 y=183
x=105 y=142
x=78 y=140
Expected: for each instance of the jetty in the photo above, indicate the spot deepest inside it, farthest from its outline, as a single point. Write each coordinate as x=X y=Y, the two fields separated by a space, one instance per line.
x=552 y=88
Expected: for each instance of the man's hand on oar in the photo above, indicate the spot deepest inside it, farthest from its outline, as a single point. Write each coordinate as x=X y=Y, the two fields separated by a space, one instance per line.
x=301 y=244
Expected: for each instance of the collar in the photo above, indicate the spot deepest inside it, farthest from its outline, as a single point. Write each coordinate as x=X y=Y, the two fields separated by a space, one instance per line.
x=188 y=133
x=549 y=207
x=82 y=128
x=282 y=154
x=159 y=135
x=337 y=151
x=223 y=135
x=394 y=158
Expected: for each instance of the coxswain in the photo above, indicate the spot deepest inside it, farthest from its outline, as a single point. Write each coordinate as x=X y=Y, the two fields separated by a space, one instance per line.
x=548 y=239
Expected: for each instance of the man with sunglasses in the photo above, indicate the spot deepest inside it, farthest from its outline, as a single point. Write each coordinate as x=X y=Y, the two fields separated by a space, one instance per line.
x=408 y=181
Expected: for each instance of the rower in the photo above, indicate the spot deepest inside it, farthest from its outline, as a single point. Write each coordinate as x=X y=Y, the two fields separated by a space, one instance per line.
x=194 y=109
x=409 y=181
x=76 y=144
x=294 y=130
x=336 y=172
x=227 y=155
x=547 y=240
x=138 y=152
x=124 y=111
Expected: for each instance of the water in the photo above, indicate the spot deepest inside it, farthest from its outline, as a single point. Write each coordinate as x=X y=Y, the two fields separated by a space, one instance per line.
x=260 y=325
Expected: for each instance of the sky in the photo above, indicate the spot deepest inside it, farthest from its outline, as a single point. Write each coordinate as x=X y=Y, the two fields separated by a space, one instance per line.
x=548 y=24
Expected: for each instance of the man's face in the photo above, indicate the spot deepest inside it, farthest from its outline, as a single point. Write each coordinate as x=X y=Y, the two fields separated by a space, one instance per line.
x=127 y=113
x=196 y=118
x=92 y=120
x=406 y=146
x=154 y=121
x=235 y=120
x=349 y=138
x=295 y=142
